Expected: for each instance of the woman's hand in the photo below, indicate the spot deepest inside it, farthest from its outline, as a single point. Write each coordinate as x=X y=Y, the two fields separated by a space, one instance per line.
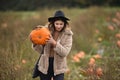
x=52 y=41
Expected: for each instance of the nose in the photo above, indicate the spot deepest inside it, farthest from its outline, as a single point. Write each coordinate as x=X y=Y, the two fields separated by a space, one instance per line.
x=59 y=26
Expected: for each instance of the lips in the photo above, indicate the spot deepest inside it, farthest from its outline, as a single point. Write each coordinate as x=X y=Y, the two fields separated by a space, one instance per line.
x=59 y=29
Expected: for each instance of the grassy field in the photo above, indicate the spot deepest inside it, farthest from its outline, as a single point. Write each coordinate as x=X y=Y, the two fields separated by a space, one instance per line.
x=95 y=54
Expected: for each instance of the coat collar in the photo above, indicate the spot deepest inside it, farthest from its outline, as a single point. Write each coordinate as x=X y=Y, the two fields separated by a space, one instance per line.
x=68 y=32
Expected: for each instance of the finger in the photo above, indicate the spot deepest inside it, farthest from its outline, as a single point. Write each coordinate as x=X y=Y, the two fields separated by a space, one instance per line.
x=50 y=36
x=47 y=40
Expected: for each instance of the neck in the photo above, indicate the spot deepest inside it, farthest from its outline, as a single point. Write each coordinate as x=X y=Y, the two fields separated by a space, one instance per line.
x=57 y=31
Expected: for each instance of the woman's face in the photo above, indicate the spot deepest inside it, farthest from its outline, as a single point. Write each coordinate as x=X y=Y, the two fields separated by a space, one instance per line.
x=59 y=24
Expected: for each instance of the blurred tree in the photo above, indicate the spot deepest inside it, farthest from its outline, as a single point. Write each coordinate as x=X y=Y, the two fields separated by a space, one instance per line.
x=39 y=4
x=7 y=4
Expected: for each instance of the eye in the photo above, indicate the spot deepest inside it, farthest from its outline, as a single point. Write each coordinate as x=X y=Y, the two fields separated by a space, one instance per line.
x=56 y=23
x=61 y=23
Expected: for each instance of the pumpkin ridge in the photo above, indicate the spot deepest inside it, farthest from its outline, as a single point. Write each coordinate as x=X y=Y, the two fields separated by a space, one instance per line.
x=40 y=35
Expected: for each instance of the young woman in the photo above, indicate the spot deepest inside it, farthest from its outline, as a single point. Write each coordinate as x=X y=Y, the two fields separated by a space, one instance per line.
x=52 y=63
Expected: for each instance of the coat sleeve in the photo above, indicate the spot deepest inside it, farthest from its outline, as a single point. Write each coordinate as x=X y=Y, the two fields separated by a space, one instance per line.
x=37 y=48
x=64 y=49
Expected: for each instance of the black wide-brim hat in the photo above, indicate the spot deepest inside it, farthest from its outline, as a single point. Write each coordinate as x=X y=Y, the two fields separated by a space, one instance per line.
x=58 y=15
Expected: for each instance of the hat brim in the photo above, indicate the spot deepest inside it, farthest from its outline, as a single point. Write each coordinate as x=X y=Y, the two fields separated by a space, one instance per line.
x=54 y=18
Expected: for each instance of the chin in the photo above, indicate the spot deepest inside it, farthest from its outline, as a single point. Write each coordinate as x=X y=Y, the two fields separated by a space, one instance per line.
x=59 y=30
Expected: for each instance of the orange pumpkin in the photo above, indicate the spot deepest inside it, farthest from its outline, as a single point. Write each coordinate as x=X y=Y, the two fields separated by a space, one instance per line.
x=40 y=35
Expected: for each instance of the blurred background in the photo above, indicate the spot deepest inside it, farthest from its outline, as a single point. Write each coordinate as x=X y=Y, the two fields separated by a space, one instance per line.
x=95 y=53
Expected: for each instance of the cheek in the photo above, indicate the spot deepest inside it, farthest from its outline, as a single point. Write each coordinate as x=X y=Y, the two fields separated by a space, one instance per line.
x=62 y=26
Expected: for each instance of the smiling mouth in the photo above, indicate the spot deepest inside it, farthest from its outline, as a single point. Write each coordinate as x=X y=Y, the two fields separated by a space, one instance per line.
x=59 y=29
